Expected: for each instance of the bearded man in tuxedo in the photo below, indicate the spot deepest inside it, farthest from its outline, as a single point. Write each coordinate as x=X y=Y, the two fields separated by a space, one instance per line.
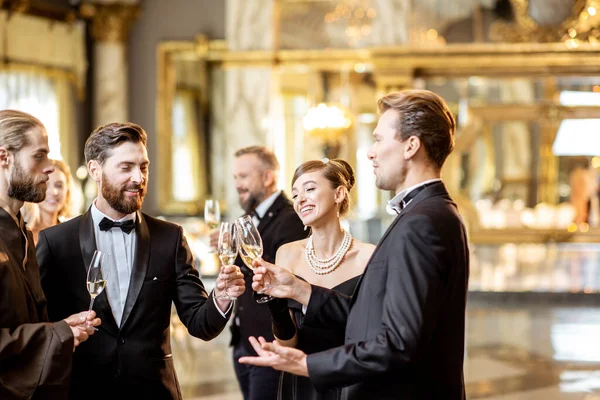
x=150 y=267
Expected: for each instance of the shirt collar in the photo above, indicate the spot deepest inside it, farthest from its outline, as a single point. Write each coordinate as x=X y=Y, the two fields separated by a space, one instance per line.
x=394 y=203
x=262 y=208
x=97 y=215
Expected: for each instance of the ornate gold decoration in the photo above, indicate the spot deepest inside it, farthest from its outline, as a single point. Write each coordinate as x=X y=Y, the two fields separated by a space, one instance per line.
x=356 y=16
x=110 y=22
x=581 y=25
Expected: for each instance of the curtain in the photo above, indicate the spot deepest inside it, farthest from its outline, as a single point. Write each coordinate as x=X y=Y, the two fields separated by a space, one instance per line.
x=36 y=95
x=50 y=99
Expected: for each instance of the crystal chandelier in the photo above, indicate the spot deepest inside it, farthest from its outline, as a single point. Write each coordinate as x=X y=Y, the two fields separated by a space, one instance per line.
x=326 y=122
x=356 y=16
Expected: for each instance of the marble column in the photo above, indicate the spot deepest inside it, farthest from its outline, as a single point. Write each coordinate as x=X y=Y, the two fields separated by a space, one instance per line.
x=110 y=23
x=247 y=96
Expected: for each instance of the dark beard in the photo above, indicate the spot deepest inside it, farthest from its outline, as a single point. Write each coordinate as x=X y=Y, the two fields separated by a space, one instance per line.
x=24 y=188
x=253 y=202
x=115 y=197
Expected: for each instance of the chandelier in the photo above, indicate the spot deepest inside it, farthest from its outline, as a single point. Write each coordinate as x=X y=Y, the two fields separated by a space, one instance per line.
x=326 y=122
x=356 y=16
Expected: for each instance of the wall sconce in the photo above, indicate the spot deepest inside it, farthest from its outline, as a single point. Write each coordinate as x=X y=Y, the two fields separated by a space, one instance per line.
x=328 y=123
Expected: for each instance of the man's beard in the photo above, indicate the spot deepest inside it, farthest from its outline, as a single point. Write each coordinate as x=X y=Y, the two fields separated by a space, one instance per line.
x=116 y=198
x=25 y=188
x=253 y=201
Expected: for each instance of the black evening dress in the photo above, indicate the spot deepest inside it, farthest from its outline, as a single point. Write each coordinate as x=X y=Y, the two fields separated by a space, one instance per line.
x=311 y=340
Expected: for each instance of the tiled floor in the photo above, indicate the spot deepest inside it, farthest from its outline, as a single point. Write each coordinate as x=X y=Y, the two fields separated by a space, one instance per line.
x=513 y=353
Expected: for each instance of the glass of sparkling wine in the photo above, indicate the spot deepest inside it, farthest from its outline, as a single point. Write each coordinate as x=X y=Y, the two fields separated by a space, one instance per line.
x=212 y=214
x=250 y=247
x=228 y=249
x=96 y=281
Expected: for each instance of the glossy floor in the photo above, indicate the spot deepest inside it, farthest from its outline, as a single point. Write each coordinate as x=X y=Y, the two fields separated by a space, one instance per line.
x=513 y=353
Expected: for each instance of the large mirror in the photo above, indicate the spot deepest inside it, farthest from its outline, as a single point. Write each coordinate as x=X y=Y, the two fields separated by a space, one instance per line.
x=517 y=172
x=183 y=122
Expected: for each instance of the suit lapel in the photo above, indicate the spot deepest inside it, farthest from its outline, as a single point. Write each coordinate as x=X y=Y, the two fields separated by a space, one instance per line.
x=140 y=266
x=437 y=189
x=87 y=244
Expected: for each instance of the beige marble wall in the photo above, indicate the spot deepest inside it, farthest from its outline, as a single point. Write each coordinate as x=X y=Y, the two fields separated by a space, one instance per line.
x=110 y=83
x=244 y=95
x=249 y=24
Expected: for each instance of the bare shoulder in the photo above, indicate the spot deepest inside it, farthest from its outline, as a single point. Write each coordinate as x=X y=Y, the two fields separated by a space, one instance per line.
x=290 y=252
x=365 y=250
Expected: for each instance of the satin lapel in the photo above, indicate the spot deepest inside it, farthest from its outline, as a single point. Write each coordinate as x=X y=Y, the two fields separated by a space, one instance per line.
x=387 y=232
x=87 y=244
x=433 y=190
x=140 y=266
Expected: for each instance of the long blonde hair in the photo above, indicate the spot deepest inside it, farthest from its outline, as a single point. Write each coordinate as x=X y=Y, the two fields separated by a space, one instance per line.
x=66 y=211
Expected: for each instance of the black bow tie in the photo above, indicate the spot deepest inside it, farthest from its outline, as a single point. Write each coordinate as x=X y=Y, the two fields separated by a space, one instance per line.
x=412 y=194
x=126 y=226
x=255 y=214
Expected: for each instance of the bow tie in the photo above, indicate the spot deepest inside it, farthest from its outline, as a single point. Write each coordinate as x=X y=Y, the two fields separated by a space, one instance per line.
x=255 y=214
x=126 y=226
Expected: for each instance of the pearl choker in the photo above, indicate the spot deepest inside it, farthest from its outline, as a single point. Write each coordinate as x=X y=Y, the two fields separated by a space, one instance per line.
x=322 y=267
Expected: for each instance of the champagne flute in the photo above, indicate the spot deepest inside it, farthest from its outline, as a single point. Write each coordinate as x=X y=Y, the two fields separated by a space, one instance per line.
x=228 y=249
x=96 y=281
x=212 y=215
x=250 y=247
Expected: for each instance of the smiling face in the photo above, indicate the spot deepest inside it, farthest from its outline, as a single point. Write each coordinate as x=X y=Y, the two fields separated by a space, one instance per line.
x=56 y=193
x=30 y=169
x=387 y=154
x=251 y=181
x=314 y=198
x=122 y=178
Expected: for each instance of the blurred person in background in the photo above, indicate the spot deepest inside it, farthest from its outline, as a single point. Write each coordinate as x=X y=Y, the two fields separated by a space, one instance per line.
x=255 y=174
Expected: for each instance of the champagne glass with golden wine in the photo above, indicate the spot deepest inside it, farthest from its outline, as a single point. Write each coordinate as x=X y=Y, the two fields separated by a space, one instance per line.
x=212 y=215
x=250 y=248
x=96 y=278
x=228 y=249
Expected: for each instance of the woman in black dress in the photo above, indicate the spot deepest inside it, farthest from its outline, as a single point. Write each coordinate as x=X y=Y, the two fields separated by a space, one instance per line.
x=330 y=257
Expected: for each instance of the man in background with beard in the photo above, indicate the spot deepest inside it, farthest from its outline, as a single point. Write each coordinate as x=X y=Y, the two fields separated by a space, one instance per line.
x=255 y=173
x=148 y=266
x=35 y=355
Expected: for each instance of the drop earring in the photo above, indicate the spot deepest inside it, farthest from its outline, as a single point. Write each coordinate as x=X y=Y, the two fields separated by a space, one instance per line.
x=338 y=213
x=305 y=227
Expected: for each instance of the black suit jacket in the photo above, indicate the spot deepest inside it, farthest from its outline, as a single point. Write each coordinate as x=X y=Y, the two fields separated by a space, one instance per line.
x=404 y=326
x=135 y=357
x=279 y=225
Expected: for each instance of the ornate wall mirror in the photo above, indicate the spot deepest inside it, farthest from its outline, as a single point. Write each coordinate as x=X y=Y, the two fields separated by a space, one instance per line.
x=507 y=97
x=182 y=120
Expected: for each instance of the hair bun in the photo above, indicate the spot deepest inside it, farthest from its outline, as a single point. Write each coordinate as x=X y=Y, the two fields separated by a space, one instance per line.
x=347 y=171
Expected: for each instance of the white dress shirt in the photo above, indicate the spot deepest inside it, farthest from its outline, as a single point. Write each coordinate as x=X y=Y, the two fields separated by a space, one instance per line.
x=118 y=248
x=263 y=207
x=394 y=206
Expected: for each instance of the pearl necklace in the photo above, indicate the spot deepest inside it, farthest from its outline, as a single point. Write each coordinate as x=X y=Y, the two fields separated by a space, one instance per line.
x=322 y=267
